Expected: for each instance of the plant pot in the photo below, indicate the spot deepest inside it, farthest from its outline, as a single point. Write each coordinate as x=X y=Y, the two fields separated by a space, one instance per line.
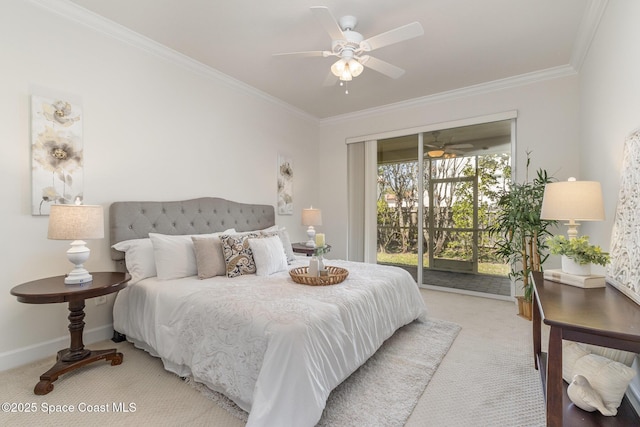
x=569 y=266
x=524 y=308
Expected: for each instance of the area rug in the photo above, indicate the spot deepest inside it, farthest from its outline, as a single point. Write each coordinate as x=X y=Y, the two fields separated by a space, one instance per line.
x=383 y=391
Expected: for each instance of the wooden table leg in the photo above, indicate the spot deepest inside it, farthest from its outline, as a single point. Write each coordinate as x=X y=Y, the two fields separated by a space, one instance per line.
x=76 y=355
x=554 y=378
x=536 y=321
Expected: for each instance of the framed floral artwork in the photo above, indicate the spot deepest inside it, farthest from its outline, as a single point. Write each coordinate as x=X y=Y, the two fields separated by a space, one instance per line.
x=56 y=153
x=285 y=186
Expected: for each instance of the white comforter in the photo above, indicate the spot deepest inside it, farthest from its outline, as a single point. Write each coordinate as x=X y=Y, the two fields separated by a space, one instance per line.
x=274 y=347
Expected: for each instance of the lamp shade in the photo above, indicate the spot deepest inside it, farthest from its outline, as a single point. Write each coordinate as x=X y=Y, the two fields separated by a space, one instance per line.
x=76 y=222
x=311 y=216
x=573 y=200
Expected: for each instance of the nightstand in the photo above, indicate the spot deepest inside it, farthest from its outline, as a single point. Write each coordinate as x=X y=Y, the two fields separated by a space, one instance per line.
x=53 y=290
x=302 y=248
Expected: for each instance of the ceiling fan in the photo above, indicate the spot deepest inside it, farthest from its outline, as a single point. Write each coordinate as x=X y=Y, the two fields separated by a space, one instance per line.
x=438 y=149
x=351 y=47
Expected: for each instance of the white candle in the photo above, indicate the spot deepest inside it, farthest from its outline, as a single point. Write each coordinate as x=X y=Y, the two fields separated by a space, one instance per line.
x=313 y=267
x=320 y=240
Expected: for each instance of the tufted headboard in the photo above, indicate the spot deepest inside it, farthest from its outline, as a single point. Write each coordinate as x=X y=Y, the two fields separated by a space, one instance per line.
x=135 y=220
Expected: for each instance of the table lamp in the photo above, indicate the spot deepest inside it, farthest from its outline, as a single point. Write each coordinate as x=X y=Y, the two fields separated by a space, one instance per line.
x=311 y=217
x=76 y=222
x=573 y=201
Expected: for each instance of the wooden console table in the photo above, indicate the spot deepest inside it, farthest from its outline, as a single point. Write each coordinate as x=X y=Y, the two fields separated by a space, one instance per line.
x=54 y=290
x=599 y=316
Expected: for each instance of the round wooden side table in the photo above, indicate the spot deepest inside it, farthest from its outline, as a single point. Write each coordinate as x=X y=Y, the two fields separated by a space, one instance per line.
x=53 y=290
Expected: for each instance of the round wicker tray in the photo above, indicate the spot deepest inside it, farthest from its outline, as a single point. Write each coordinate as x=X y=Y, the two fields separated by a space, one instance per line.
x=335 y=276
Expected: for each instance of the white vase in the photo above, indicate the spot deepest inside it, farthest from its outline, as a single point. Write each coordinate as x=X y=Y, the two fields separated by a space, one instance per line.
x=569 y=266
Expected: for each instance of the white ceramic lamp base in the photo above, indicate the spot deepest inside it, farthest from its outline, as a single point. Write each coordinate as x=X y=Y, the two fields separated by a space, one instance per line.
x=311 y=233
x=78 y=255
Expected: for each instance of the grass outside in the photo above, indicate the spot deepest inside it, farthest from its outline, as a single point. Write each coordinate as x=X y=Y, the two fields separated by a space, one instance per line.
x=412 y=259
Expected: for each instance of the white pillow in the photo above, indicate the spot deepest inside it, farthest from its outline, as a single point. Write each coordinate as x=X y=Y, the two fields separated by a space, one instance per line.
x=268 y=254
x=571 y=352
x=138 y=257
x=175 y=255
x=284 y=237
x=608 y=377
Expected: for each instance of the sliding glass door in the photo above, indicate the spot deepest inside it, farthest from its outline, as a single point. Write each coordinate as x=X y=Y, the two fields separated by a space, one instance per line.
x=436 y=194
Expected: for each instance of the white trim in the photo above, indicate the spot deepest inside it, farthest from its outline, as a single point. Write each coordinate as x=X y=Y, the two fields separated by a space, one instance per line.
x=507 y=115
x=586 y=31
x=95 y=22
x=22 y=356
x=479 y=89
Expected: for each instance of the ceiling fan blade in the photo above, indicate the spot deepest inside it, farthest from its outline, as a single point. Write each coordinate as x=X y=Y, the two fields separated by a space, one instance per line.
x=381 y=66
x=399 y=34
x=330 y=80
x=309 y=54
x=328 y=22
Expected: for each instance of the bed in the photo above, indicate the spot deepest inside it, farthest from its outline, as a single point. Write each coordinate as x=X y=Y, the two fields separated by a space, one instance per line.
x=274 y=347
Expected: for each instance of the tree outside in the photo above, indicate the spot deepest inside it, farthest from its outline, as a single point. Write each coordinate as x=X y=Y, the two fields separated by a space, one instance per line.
x=452 y=209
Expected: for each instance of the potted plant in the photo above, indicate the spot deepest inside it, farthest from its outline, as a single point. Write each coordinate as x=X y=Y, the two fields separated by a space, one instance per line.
x=521 y=234
x=577 y=254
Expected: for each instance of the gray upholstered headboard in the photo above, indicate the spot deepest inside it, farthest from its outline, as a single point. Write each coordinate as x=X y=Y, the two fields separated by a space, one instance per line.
x=135 y=220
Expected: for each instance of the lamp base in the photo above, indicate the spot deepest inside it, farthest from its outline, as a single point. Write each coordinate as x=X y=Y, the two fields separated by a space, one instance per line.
x=77 y=255
x=311 y=233
x=78 y=277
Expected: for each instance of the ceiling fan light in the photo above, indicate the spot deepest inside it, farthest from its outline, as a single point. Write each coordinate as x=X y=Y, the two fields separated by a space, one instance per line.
x=435 y=153
x=339 y=67
x=346 y=75
x=355 y=68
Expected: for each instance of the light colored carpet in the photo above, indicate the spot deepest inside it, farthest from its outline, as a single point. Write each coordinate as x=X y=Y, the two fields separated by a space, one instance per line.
x=387 y=387
x=486 y=379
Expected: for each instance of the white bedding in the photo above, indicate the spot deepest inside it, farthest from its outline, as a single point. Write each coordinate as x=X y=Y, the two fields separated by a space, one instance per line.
x=274 y=347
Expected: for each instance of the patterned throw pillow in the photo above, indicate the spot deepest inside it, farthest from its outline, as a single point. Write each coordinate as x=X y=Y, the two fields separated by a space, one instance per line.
x=237 y=254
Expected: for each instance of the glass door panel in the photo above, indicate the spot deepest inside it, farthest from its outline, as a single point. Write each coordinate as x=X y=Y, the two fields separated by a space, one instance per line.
x=397 y=204
x=453 y=217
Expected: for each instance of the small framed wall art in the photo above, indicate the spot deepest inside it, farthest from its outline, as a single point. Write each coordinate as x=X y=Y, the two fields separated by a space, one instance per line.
x=285 y=185
x=56 y=153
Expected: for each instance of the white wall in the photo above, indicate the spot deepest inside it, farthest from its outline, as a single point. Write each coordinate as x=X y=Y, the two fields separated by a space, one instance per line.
x=154 y=129
x=609 y=111
x=547 y=125
x=610 y=104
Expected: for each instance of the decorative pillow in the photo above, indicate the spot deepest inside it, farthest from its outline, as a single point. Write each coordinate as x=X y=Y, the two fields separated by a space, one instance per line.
x=209 y=256
x=284 y=238
x=608 y=377
x=175 y=254
x=268 y=254
x=571 y=352
x=621 y=356
x=138 y=257
x=238 y=256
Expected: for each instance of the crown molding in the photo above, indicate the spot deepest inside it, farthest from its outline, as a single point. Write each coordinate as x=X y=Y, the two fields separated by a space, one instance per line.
x=71 y=11
x=474 y=90
x=586 y=31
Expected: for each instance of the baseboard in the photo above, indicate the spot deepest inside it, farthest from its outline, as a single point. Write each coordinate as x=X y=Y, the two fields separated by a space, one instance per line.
x=24 y=355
